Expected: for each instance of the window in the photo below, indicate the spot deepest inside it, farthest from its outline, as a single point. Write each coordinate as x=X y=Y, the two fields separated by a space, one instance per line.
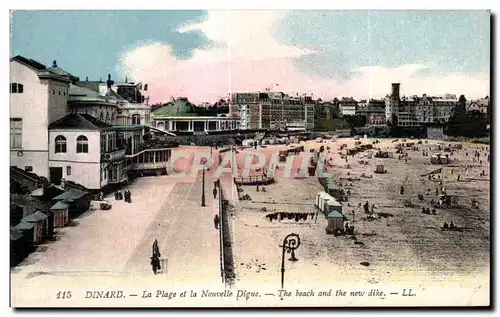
x=64 y=93
x=109 y=138
x=53 y=91
x=68 y=170
x=136 y=119
x=16 y=88
x=60 y=144
x=59 y=92
x=82 y=144
x=16 y=133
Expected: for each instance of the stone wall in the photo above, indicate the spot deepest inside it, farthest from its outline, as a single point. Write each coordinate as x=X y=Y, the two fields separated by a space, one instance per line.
x=207 y=140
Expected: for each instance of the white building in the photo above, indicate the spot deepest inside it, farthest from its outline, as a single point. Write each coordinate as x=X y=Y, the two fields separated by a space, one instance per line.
x=348 y=106
x=482 y=105
x=84 y=150
x=179 y=116
x=56 y=131
x=38 y=96
x=272 y=111
x=416 y=111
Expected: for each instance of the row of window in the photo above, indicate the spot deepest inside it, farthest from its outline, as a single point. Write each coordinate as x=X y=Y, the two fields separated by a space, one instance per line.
x=16 y=88
x=82 y=144
x=58 y=92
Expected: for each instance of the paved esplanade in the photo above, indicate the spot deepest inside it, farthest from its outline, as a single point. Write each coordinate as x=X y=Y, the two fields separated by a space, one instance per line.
x=186 y=235
x=118 y=242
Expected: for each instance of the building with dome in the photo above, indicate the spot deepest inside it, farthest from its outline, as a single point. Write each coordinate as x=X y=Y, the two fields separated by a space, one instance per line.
x=179 y=116
x=83 y=100
x=131 y=100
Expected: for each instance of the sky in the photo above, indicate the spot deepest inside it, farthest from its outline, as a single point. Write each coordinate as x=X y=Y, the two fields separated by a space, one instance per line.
x=204 y=55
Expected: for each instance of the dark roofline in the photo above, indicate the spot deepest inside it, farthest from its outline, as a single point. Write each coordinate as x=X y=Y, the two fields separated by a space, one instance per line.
x=84 y=103
x=28 y=62
x=95 y=124
x=70 y=76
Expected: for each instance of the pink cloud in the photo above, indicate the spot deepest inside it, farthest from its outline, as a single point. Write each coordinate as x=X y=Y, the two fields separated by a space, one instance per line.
x=251 y=60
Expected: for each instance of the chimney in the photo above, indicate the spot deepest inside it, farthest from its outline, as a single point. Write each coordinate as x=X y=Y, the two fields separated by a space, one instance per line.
x=109 y=82
x=126 y=80
x=87 y=78
x=54 y=64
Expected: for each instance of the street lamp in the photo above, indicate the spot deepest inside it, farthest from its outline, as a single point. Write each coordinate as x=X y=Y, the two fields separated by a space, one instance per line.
x=203 y=187
x=290 y=244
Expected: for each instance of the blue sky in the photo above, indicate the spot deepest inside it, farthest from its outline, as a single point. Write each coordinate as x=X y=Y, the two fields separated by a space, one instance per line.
x=89 y=43
x=454 y=40
x=92 y=43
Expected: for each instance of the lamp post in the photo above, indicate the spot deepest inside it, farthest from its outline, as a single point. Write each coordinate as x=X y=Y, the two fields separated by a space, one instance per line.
x=290 y=244
x=203 y=187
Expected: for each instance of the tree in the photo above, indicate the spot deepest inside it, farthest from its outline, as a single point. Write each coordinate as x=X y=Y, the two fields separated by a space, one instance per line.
x=468 y=124
x=356 y=120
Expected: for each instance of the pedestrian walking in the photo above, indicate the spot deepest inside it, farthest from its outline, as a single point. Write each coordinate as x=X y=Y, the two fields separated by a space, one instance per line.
x=128 y=197
x=156 y=249
x=215 y=192
x=155 y=264
x=216 y=222
x=402 y=190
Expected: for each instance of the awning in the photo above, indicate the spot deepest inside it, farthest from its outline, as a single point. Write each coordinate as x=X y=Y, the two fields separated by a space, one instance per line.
x=59 y=206
x=335 y=215
x=37 y=216
x=23 y=225
x=71 y=195
x=37 y=192
x=15 y=233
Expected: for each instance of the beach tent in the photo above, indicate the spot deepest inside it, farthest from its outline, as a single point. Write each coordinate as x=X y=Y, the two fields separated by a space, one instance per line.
x=39 y=221
x=60 y=212
x=28 y=230
x=335 y=222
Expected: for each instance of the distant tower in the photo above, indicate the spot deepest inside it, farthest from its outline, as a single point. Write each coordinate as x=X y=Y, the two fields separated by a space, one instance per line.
x=392 y=104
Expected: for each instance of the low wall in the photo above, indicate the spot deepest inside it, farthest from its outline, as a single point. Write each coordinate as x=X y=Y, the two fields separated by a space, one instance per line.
x=226 y=248
x=209 y=139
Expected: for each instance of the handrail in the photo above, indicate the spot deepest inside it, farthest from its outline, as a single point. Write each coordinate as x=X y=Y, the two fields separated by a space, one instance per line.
x=221 y=235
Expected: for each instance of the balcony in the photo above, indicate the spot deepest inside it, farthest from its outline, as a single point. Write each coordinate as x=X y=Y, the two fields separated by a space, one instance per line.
x=113 y=155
